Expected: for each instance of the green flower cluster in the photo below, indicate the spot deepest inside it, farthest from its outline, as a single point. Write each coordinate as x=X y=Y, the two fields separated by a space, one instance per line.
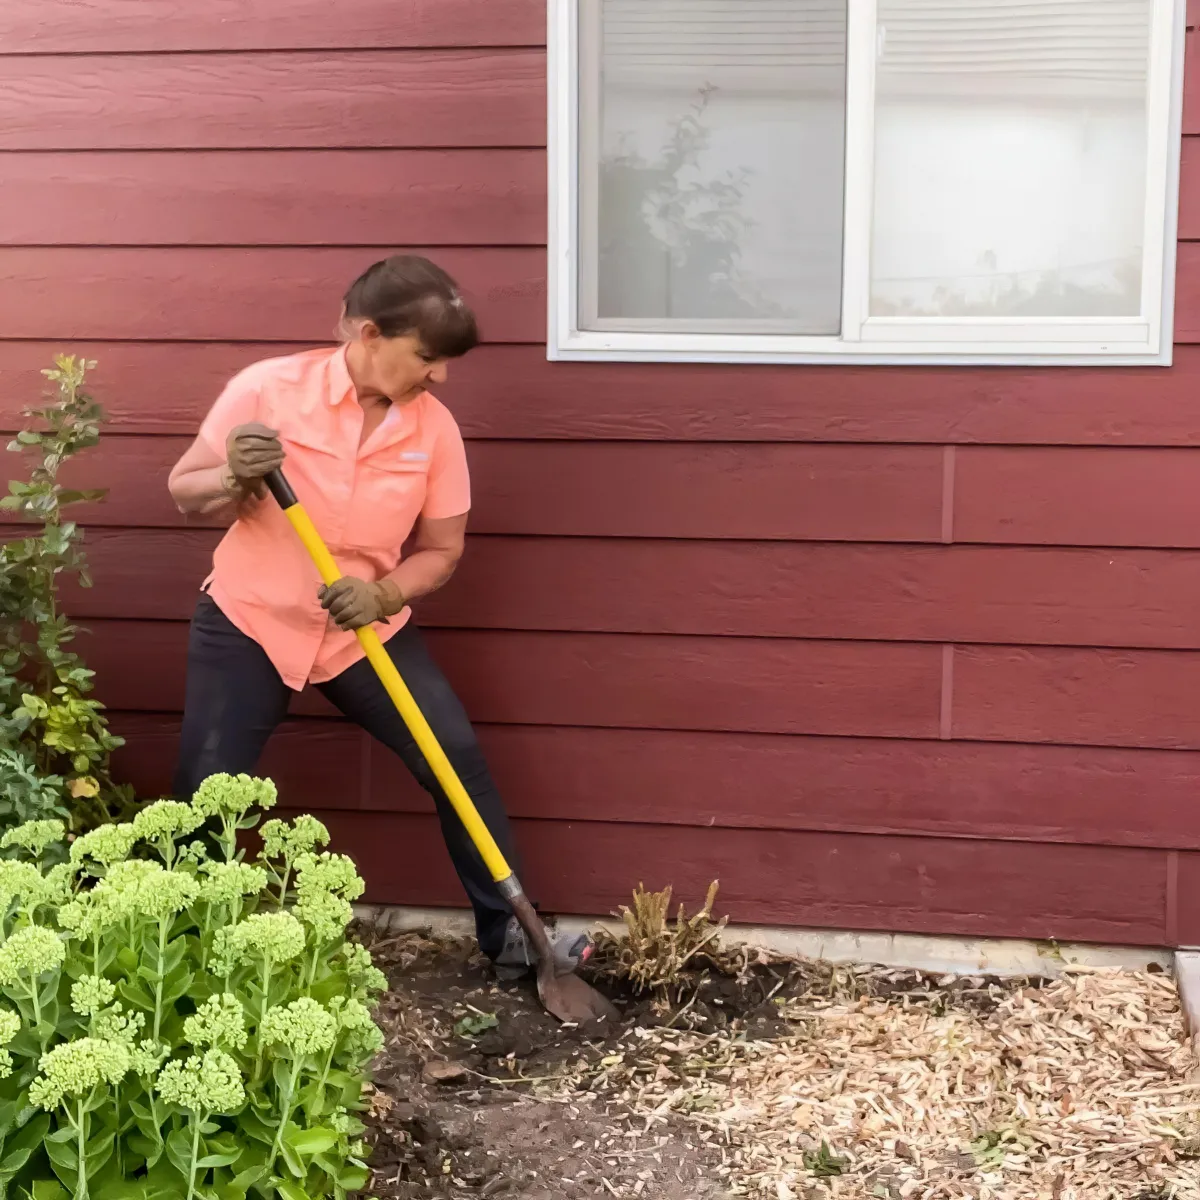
x=22 y=884
x=361 y=968
x=75 y=1069
x=30 y=952
x=36 y=837
x=356 y=1027
x=233 y=795
x=106 y=844
x=91 y=994
x=10 y=1026
x=118 y=1025
x=302 y=836
x=229 y=882
x=166 y=819
x=146 y=1056
x=208 y=1083
x=164 y=894
x=220 y=1022
x=302 y=1027
x=325 y=886
x=275 y=937
x=133 y=888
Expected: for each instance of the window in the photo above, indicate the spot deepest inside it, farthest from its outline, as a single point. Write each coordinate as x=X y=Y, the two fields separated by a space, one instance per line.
x=864 y=180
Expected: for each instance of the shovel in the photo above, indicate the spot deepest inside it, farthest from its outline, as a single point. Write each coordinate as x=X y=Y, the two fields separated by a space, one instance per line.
x=565 y=996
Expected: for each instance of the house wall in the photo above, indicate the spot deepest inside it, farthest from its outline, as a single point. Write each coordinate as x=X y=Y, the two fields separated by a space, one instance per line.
x=885 y=649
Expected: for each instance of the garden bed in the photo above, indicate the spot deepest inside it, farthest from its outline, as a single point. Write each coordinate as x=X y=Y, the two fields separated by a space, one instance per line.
x=783 y=1080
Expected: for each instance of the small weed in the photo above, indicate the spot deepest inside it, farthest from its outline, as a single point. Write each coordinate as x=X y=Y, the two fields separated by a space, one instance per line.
x=991 y=1149
x=823 y=1163
x=475 y=1024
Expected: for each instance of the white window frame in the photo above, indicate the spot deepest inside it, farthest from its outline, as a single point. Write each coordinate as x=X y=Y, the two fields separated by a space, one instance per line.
x=1142 y=341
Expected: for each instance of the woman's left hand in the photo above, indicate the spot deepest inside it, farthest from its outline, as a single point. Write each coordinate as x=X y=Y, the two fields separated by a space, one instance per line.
x=353 y=603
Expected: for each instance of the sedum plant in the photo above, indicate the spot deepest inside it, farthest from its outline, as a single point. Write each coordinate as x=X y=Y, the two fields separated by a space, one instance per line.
x=175 y=1021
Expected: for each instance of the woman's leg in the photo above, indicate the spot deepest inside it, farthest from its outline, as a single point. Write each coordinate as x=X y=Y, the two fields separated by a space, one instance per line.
x=358 y=693
x=234 y=700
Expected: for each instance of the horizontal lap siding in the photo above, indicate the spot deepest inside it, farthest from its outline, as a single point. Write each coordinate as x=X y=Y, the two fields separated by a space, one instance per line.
x=123 y=26
x=218 y=294
x=1048 y=596
x=512 y=393
x=274 y=197
x=887 y=649
x=315 y=99
x=961 y=789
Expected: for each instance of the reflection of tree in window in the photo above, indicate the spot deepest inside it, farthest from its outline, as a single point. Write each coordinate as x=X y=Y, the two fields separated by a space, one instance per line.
x=671 y=238
x=1025 y=293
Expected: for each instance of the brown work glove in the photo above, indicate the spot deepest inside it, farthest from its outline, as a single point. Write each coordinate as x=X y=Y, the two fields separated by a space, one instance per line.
x=353 y=603
x=252 y=451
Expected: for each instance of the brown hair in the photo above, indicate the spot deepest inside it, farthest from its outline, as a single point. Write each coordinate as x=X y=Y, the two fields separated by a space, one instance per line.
x=407 y=294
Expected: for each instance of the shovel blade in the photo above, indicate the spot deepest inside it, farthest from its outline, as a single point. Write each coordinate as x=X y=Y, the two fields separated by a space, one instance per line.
x=566 y=997
x=571 y=1000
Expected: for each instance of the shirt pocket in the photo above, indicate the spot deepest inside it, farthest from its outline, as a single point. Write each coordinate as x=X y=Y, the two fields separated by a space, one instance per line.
x=388 y=498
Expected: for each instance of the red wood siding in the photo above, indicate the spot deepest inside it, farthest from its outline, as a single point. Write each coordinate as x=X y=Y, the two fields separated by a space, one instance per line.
x=274 y=197
x=886 y=649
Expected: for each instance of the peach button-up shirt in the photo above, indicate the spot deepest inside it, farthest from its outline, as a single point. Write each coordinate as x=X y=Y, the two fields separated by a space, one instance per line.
x=363 y=499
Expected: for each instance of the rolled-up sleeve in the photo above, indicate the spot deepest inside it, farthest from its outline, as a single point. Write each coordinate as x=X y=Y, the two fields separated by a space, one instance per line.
x=237 y=405
x=448 y=492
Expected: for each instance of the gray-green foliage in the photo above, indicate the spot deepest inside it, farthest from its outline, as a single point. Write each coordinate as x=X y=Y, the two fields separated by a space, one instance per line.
x=54 y=740
x=178 y=1021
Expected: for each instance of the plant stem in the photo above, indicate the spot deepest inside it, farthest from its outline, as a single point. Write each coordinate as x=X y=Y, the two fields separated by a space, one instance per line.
x=285 y=1110
x=204 y=935
x=81 y=1181
x=195 y=1152
x=310 y=970
x=120 y=1127
x=154 y=1112
x=268 y=967
x=325 y=1073
x=262 y=1012
x=161 y=978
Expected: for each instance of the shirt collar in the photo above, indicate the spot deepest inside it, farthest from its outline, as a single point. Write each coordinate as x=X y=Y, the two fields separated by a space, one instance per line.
x=340 y=384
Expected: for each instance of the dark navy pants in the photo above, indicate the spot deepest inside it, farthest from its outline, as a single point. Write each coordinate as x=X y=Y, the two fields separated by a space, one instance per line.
x=236 y=699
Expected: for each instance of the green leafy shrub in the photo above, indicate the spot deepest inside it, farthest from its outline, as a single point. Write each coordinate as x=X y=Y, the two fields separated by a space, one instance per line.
x=54 y=740
x=178 y=1021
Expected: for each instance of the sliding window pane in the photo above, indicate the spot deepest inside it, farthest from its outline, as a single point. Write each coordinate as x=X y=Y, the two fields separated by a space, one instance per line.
x=713 y=140
x=1010 y=158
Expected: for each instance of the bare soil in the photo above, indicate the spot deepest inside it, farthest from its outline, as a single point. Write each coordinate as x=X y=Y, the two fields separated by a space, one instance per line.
x=455 y=1114
x=479 y=1093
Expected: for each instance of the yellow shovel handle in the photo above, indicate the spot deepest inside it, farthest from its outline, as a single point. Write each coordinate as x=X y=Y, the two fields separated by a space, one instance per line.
x=404 y=702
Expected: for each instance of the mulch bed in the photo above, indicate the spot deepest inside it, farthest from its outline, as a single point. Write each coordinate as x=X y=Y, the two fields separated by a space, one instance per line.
x=779 y=1080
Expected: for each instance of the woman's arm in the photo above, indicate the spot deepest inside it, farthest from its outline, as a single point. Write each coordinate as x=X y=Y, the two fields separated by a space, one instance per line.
x=199 y=480
x=202 y=481
x=438 y=545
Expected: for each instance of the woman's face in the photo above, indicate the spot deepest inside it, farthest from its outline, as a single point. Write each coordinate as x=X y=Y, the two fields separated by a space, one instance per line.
x=398 y=367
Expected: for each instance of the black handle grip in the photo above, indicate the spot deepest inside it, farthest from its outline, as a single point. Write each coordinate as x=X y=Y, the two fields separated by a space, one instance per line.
x=280 y=489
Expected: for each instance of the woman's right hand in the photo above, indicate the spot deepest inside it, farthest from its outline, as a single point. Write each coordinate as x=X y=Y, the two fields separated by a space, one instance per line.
x=253 y=451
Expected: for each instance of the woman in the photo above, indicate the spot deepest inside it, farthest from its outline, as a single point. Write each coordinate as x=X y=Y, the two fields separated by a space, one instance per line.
x=375 y=458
